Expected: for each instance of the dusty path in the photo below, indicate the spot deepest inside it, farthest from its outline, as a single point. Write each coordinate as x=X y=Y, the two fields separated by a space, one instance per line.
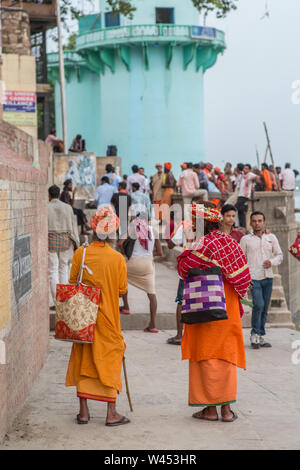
x=268 y=403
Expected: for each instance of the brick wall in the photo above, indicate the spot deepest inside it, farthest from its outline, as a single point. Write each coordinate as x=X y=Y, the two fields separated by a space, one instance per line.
x=24 y=296
x=15 y=31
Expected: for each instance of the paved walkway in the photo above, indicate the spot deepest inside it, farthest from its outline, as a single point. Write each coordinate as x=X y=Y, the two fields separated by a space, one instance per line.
x=268 y=402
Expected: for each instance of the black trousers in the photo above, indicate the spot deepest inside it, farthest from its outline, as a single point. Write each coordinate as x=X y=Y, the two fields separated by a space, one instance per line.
x=242 y=208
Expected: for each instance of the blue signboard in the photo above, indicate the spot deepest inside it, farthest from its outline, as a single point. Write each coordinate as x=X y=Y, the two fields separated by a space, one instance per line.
x=203 y=32
x=19 y=107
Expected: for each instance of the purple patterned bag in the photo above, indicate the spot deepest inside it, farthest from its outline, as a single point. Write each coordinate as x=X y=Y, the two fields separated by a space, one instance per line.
x=203 y=296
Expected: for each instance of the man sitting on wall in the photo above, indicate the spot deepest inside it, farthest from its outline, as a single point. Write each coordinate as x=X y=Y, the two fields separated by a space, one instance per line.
x=78 y=145
x=56 y=143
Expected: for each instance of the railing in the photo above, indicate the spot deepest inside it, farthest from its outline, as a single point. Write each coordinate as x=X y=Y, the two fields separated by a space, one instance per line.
x=160 y=31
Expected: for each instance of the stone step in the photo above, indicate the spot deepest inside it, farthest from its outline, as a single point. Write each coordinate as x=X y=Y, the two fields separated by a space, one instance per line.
x=290 y=325
x=279 y=317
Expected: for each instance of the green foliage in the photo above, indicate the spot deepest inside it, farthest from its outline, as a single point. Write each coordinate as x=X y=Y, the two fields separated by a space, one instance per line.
x=71 y=42
x=220 y=7
x=122 y=6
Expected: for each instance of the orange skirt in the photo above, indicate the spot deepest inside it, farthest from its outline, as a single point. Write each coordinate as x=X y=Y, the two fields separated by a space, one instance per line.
x=93 y=389
x=212 y=383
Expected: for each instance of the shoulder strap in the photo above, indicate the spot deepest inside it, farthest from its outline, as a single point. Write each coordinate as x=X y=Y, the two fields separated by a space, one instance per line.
x=82 y=267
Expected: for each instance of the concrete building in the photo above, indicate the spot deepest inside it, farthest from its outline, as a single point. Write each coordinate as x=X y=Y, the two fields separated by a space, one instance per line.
x=138 y=84
x=24 y=27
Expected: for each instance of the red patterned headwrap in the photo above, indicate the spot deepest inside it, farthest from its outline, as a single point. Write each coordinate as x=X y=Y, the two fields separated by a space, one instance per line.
x=168 y=165
x=105 y=221
x=207 y=213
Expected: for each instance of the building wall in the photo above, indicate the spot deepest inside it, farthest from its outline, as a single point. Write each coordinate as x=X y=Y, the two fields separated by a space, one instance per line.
x=147 y=110
x=185 y=12
x=18 y=75
x=83 y=108
x=144 y=111
x=24 y=297
x=15 y=31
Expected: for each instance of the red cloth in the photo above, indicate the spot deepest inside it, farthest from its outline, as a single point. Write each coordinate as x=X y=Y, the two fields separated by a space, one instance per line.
x=218 y=249
x=236 y=234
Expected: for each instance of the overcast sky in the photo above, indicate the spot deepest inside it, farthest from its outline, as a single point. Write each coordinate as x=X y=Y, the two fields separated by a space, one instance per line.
x=252 y=83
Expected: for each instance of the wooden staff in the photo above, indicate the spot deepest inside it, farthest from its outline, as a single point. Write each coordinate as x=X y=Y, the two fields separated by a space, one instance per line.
x=127 y=387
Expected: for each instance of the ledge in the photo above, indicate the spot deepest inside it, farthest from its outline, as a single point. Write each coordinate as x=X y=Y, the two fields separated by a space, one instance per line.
x=156 y=33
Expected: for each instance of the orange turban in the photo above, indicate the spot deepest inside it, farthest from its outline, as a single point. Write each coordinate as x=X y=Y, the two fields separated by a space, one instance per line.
x=105 y=221
x=183 y=166
x=168 y=165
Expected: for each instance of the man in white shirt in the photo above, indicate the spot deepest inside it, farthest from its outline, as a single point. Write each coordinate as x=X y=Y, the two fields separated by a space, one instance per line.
x=136 y=177
x=104 y=192
x=262 y=252
x=287 y=177
x=244 y=184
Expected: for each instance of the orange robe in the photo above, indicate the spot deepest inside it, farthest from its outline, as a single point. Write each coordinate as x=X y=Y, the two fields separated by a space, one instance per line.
x=95 y=369
x=214 y=350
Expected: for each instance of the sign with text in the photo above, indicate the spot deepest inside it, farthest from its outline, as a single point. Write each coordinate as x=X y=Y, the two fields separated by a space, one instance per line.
x=203 y=32
x=19 y=108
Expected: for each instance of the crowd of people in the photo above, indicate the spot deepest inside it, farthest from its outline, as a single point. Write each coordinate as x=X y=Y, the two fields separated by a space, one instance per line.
x=229 y=261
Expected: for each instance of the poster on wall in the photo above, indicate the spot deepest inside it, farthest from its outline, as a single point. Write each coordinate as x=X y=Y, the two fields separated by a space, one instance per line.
x=21 y=267
x=81 y=169
x=19 y=108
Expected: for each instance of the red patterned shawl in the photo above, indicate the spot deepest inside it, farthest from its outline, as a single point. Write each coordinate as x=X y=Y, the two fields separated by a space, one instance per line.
x=218 y=249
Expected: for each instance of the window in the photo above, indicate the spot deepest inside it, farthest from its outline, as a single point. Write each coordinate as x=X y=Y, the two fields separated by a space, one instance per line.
x=165 y=15
x=112 y=19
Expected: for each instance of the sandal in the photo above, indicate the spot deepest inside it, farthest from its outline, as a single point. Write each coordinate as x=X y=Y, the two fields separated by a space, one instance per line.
x=123 y=420
x=81 y=421
x=234 y=417
x=151 y=330
x=126 y=312
x=174 y=340
x=201 y=416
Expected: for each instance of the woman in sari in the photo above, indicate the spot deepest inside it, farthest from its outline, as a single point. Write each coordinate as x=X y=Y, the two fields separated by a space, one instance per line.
x=140 y=266
x=95 y=369
x=215 y=349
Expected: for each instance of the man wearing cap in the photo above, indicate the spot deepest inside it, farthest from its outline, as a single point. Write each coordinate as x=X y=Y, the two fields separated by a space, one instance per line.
x=215 y=348
x=157 y=190
x=95 y=369
x=168 y=186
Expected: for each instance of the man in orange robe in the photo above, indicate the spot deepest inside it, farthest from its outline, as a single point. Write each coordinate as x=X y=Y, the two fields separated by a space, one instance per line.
x=216 y=348
x=95 y=369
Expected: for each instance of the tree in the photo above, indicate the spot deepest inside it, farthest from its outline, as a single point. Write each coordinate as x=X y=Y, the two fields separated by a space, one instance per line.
x=220 y=7
x=126 y=8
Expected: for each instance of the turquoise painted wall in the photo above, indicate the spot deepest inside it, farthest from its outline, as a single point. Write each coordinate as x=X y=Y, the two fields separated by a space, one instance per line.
x=153 y=115
x=152 y=112
x=83 y=108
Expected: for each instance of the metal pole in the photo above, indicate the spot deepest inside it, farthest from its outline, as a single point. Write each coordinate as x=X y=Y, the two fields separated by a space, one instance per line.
x=257 y=156
x=62 y=79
